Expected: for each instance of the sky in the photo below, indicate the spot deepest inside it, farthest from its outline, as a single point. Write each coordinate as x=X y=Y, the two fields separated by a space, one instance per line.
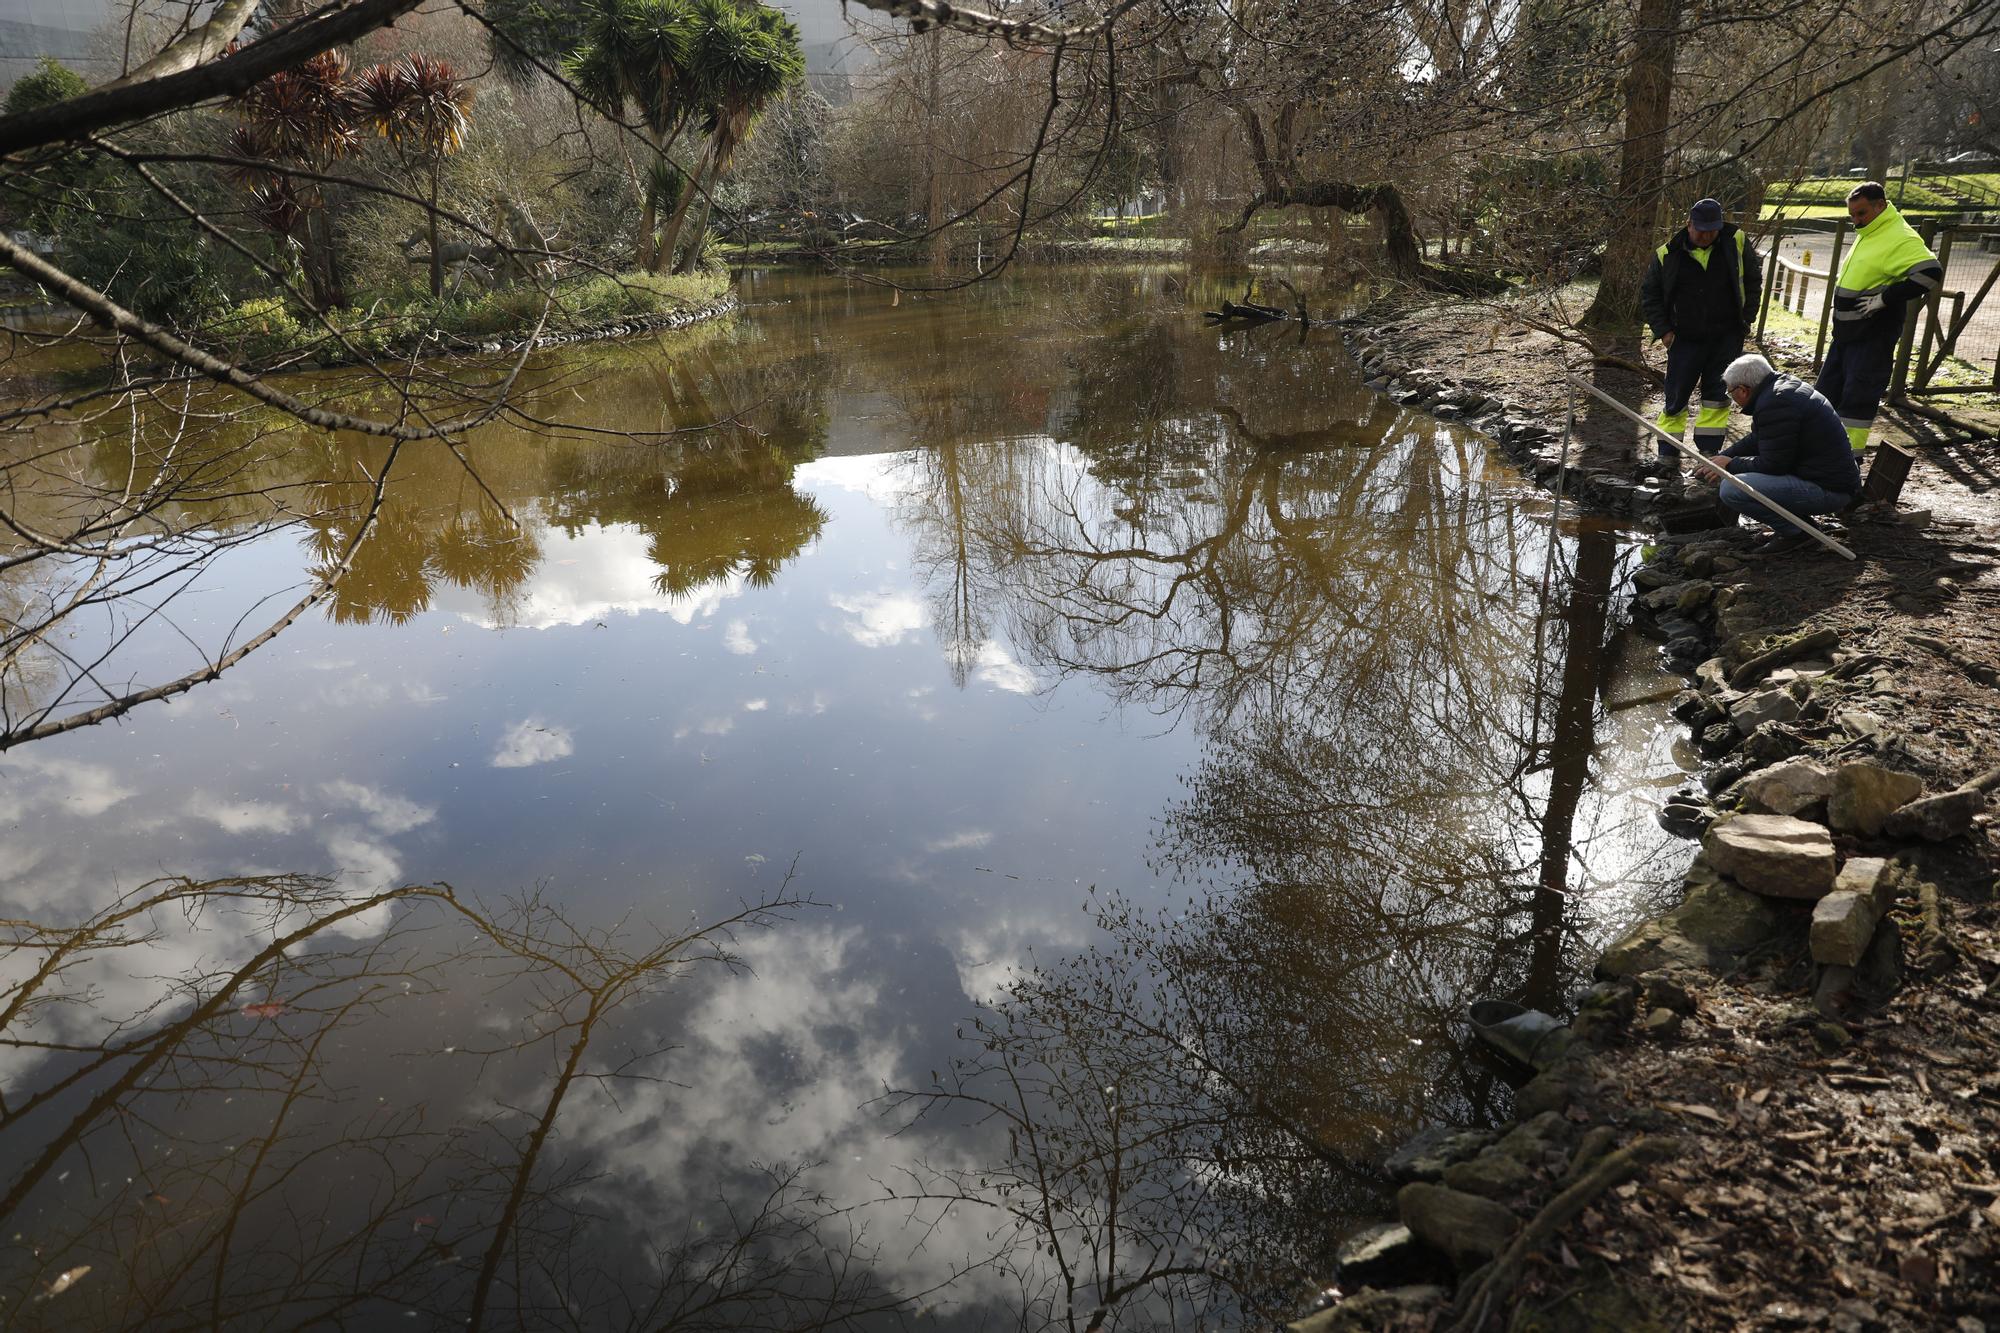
x=30 y=28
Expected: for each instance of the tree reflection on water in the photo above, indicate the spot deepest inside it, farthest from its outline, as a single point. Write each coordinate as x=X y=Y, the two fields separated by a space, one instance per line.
x=190 y=1149
x=272 y=1102
x=1395 y=666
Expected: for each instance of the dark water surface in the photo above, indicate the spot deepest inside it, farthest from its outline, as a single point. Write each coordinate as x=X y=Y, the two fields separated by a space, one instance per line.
x=1126 y=745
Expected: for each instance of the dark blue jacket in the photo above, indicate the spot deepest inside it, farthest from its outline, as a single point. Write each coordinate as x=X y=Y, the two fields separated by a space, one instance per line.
x=1797 y=434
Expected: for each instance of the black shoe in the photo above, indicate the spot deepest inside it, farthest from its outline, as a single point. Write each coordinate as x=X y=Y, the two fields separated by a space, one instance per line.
x=1783 y=542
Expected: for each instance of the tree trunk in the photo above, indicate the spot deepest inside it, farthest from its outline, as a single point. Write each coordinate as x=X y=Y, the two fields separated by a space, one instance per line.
x=697 y=232
x=644 y=250
x=1568 y=753
x=649 y=221
x=319 y=260
x=934 y=206
x=437 y=260
x=665 y=254
x=1876 y=138
x=1649 y=90
x=1753 y=202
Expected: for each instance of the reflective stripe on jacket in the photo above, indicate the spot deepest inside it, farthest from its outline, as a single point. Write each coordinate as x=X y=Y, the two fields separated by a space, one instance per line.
x=1890 y=258
x=1738 y=255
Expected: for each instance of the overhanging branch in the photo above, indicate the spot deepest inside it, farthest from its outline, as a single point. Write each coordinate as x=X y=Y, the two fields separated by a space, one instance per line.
x=926 y=14
x=333 y=25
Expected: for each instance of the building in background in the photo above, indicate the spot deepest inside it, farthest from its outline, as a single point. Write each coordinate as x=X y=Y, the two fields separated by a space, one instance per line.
x=65 y=29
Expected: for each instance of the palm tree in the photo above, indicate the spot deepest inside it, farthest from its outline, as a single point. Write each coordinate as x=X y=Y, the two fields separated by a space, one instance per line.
x=423 y=108
x=635 y=53
x=747 y=58
x=305 y=117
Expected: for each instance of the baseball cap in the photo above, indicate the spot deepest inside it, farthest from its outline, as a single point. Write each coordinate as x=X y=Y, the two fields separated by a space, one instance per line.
x=1705 y=215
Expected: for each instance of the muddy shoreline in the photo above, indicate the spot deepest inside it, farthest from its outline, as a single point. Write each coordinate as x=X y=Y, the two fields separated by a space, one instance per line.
x=1779 y=1105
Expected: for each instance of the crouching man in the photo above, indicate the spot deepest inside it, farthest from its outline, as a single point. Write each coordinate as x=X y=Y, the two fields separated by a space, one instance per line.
x=1796 y=453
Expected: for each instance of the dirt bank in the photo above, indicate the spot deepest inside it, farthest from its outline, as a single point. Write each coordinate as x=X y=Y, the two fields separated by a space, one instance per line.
x=1780 y=1107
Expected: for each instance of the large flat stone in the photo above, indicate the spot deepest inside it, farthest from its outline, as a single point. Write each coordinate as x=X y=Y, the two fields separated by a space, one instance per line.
x=1469 y=1229
x=1772 y=743
x=1787 y=788
x=1375 y=1308
x=1492 y=1175
x=1865 y=795
x=1775 y=855
x=1427 y=1153
x=1859 y=723
x=1648 y=944
x=1541 y=1142
x=1718 y=915
x=1717 y=918
x=1842 y=925
x=1872 y=875
x=1754 y=710
x=1694 y=596
x=1936 y=818
x=1386 y=1255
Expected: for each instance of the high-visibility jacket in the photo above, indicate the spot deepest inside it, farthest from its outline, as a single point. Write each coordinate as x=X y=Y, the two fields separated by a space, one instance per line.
x=1888 y=257
x=1677 y=261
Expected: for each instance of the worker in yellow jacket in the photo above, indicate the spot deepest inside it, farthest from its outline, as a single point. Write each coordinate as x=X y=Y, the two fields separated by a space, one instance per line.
x=1888 y=265
x=1700 y=299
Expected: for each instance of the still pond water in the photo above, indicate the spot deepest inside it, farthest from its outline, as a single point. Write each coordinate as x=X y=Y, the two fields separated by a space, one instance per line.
x=1122 y=746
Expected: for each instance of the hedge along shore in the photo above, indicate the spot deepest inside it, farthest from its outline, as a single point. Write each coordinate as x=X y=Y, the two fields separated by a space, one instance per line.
x=1778 y=1107
x=268 y=339
x=604 y=306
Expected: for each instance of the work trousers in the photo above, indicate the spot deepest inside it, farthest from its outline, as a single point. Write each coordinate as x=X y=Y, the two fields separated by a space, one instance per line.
x=1854 y=378
x=1797 y=494
x=1693 y=362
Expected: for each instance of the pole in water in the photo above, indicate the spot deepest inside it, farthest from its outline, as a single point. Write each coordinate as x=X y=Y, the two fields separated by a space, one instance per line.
x=1802 y=524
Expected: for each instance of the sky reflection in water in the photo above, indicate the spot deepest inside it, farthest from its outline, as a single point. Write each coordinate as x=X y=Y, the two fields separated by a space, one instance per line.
x=1040 y=626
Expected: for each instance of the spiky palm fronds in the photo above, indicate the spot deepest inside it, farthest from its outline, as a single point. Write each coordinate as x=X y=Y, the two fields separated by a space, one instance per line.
x=419 y=102
x=748 y=58
x=664 y=183
x=636 y=53
x=307 y=113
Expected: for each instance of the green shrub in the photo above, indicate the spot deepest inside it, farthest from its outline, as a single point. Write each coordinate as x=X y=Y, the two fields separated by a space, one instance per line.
x=267 y=330
x=261 y=328
x=50 y=82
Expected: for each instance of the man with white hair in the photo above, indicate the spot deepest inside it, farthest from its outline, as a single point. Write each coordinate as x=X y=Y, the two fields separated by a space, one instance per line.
x=1796 y=452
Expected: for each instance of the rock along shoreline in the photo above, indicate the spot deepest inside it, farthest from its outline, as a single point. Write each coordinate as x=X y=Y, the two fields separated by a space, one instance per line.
x=1776 y=1107
x=435 y=344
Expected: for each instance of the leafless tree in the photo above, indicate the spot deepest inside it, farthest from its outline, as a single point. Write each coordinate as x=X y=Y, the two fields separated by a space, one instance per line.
x=191 y=1147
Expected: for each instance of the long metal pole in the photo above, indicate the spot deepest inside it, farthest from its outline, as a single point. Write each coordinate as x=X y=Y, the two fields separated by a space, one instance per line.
x=1696 y=454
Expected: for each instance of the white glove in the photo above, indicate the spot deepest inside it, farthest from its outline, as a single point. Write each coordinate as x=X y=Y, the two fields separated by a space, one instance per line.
x=1872 y=303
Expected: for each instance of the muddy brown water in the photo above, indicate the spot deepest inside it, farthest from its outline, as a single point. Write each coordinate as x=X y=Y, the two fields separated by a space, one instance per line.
x=1115 y=750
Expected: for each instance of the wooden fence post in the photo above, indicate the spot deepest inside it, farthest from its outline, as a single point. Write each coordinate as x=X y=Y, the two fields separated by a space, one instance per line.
x=1826 y=305
x=1899 y=380
x=1770 y=279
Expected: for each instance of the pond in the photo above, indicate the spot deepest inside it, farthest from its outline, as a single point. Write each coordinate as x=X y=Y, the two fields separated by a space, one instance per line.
x=975 y=808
